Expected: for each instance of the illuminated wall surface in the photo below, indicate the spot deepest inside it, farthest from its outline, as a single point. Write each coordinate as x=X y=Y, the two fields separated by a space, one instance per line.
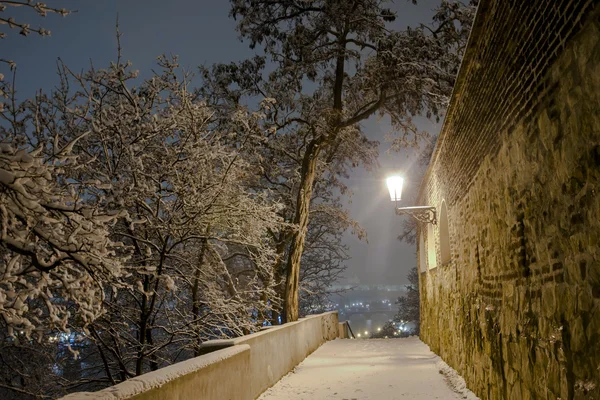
x=511 y=289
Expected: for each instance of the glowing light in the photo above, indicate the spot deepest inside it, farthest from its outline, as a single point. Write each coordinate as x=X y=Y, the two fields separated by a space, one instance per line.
x=378 y=329
x=394 y=184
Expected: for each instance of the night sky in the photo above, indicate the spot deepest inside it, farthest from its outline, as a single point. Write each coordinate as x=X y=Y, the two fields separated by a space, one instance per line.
x=200 y=32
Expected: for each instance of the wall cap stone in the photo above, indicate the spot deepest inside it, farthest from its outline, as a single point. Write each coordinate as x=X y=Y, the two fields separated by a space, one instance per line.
x=220 y=343
x=155 y=379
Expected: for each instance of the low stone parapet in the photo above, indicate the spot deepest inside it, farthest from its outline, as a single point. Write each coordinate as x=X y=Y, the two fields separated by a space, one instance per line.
x=343 y=330
x=276 y=351
x=234 y=369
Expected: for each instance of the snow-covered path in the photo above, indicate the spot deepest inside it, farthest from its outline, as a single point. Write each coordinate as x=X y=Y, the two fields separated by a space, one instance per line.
x=382 y=369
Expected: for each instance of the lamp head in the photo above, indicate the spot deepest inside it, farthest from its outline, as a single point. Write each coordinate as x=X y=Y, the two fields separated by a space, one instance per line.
x=394 y=184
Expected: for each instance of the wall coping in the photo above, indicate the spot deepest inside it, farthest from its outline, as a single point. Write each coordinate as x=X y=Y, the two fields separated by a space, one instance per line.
x=264 y=331
x=160 y=377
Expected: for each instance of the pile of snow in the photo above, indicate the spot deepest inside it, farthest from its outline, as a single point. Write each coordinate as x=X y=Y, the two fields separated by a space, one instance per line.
x=455 y=381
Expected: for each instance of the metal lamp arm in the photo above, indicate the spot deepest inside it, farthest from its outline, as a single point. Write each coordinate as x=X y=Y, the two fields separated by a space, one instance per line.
x=425 y=214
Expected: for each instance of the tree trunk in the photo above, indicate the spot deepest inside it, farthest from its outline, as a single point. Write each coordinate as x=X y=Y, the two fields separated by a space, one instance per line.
x=143 y=325
x=196 y=293
x=278 y=272
x=153 y=356
x=307 y=178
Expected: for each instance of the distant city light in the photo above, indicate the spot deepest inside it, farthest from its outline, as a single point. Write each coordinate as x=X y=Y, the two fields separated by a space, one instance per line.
x=378 y=329
x=358 y=335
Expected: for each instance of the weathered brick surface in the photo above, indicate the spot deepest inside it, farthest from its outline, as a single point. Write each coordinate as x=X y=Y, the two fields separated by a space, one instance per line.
x=517 y=310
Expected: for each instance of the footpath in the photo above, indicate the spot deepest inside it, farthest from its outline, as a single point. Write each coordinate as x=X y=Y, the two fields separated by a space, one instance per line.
x=371 y=369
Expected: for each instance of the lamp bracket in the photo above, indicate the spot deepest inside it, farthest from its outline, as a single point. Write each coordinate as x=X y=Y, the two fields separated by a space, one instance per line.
x=425 y=214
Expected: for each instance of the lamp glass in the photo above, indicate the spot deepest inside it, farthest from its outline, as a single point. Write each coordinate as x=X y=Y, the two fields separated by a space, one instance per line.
x=394 y=184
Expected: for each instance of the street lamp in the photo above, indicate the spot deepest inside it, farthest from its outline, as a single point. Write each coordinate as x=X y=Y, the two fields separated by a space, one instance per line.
x=394 y=184
x=426 y=214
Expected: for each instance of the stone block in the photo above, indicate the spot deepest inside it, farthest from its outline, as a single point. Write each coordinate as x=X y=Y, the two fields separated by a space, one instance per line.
x=578 y=336
x=548 y=300
x=585 y=301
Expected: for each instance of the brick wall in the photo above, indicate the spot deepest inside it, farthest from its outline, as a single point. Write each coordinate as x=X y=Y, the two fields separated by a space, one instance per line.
x=516 y=310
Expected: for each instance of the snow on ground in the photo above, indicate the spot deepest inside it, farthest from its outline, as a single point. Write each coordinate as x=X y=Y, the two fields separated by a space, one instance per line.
x=378 y=369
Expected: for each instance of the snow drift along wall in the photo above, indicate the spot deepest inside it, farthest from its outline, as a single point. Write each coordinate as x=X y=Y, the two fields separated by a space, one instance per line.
x=511 y=293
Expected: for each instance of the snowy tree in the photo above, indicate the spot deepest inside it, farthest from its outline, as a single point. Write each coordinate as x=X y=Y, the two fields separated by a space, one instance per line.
x=24 y=28
x=131 y=220
x=324 y=256
x=409 y=305
x=53 y=240
x=200 y=256
x=280 y=157
x=58 y=259
x=7 y=9
x=357 y=66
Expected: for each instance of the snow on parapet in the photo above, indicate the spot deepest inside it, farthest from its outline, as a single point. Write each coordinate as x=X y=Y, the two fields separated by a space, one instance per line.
x=155 y=379
x=223 y=343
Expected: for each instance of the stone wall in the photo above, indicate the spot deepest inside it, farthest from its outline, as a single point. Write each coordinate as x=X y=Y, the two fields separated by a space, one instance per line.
x=516 y=309
x=235 y=369
x=277 y=350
